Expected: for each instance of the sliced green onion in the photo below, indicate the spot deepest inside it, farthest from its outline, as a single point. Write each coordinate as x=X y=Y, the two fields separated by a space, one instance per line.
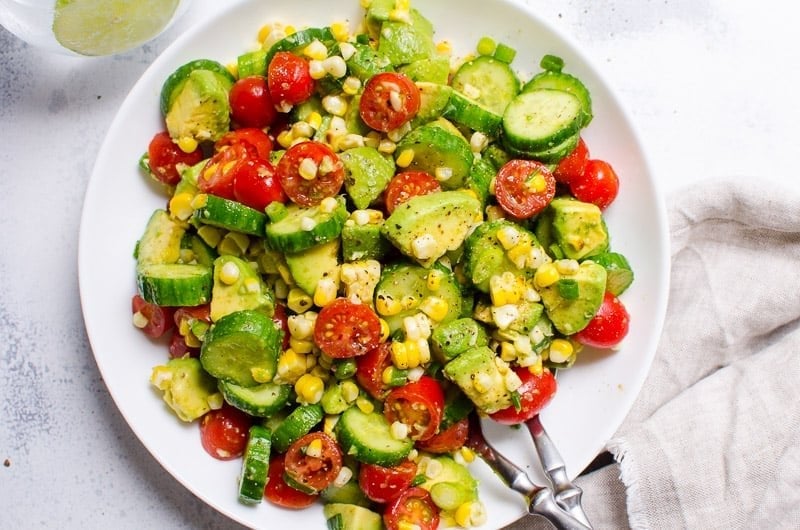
x=276 y=211
x=515 y=400
x=556 y=251
x=568 y=289
x=486 y=46
x=505 y=53
x=344 y=369
x=552 y=63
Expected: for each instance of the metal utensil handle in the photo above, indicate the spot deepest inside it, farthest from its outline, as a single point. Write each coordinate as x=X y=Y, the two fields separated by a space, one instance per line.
x=567 y=494
x=543 y=503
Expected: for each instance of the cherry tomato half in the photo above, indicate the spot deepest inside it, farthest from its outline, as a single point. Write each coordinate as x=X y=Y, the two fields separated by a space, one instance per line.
x=419 y=404
x=279 y=492
x=389 y=100
x=448 y=440
x=224 y=432
x=599 y=184
x=251 y=102
x=157 y=319
x=218 y=175
x=312 y=473
x=524 y=187
x=256 y=185
x=384 y=484
x=327 y=173
x=573 y=165
x=534 y=394
x=370 y=367
x=166 y=158
x=249 y=135
x=608 y=327
x=409 y=184
x=413 y=507
x=289 y=80
x=346 y=329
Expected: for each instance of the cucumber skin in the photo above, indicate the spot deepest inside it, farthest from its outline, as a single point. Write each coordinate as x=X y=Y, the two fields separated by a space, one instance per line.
x=255 y=465
x=179 y=76
x=231 y=215
x=296 y=425
x=535 y=121
x=283 y=237
x=235 y=396
x=157 y=285
x=351 y=438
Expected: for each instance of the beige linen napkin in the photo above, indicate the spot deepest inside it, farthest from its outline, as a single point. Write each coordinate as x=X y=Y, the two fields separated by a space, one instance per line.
x=713 y=440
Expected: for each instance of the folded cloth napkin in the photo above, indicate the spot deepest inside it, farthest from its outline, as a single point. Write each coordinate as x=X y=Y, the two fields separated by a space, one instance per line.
x=713 y=439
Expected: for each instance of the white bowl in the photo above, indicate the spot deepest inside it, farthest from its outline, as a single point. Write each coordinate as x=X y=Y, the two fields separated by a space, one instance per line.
x=594 y=396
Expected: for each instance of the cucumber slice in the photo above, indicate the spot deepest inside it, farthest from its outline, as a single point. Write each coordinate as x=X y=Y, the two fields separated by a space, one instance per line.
x=242 y=347
x=252 y=63
x=161 y=240
x=568 y=83
x=299 y=39
x=367 y=61
x=495 y=81
x=368 y=437
x=552 y=155
x=619 y=275
x=434 y=148
x=260 y=401
x=341 y=516
x=176 y=80
x=472 y=114
x=367 y=172
x=296 y=425
x=485 y=256
x=540 y=119
x=231 y=215
x=255 y=465
x=480 y=178
x=174 y=284
x=200 y=251
x=289 y=234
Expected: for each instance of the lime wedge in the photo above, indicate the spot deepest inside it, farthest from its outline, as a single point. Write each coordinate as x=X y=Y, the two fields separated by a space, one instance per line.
x=105 y=27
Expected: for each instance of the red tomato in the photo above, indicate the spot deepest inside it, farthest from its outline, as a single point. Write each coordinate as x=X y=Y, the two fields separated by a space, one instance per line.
x=178 y=347
x=279 y=492
x=220 y=171
x=524 y=187
x=320 y=159
x=312 y=474
x=224 y=432
x=599 y=184
x=251 y=102
x=384 y=484
x=282 y=319
x=166 y=158
x=536 y=392
x=448 y=440
x=346 y=329
x=289 y=80
x=252 y=136
x=370 y=367
x=413 y=506
x=256 y=185
x=573 y=165
x=158 y=318
x=409 y=184
x=389 y=100
x=418 y=404
x=184 y=318
x=608 y=327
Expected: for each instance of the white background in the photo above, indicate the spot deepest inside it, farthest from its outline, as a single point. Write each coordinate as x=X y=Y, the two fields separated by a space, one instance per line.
x=710 y=84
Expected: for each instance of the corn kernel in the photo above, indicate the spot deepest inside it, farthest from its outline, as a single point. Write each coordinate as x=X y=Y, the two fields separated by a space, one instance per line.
x=349 y=391
x=344 y=476
x=434 y=280
x=444 y=47
x=424 y=247
x=335 y=105
x=387 y=306
x=329 y=423
x=229 y=273
x=308 y=169
x=365 y=405
x=340 y=31
x=433 y=468
x=285 y=138
x=264 y=32
x=512 y=381
x=519 y=254
x=536 y=368
x=560 y=350
x=415 y=374
x=301 y=346
x=400 y=15
x=536 y=183
x=309 y=389
x=482 y=382
x=350 y=141
x=187 y=144
x=443 y=173
x=435 y=307
x=139 y=320
x=467 y=454
x=314 y=119
x=325 y=293
x=335 y=66
x=199 y=201
x=298 y=301
x=291 y=365
x=328 y=205
x=385 y=331
x=405 y=158
x=411 y=328
x=399 y=355
x=289 y=30
x=409 y=302
x=347 y=50
x=463 y=514
x=387 y=146
x=351 y=85
x=314 y=448
x=399 y=430
x=508 y=236
x=546 y=275
x=567 y=266
x=423 y=352
x=180 y=206
x=307 y=224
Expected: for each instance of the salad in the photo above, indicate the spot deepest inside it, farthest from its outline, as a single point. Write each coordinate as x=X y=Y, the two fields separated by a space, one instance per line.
x=366 y=240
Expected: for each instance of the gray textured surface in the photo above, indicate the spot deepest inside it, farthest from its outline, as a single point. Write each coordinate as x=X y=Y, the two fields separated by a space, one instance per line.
x=711 y=85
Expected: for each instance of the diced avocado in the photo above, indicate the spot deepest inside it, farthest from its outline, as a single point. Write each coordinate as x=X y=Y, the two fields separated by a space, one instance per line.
x=310 y=266
x=189 y=175
x=578 y=228
x=405 y=42
x=571 y=314
x=352 y=517
x=349 y=493
x=200 y=109
x=452 y=486
x=161 y=241
x=248 y=291
x=529 y=315
x=367 y=172
x=186 y=386
x=173 y=84
x=433 y=102
x=367 y=61
x=476 y=373
x=333 y=401
x=432 y=70
x=454 y=338
x=197 y=250
x=427 y=226
x=438 y=150
x=363 y=241
x=352 y=117
x=378 y=13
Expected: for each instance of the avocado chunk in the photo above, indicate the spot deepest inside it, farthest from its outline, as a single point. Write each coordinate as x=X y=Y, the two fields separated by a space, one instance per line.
x=367 y=172
x=441 y=150
x=405 y=42
x=432 y=69
x=433 y=102
x=427 y=226
x=310 y=266
x=186 y=387
x=367 y=61
x=578 y=228
x=476 y=373
x=452 y=486
x=352 y=517
x=200 y=109
x=364 y=241
x=248 y=291
x=453 y=338
x=161 y=240
x=570 y=310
